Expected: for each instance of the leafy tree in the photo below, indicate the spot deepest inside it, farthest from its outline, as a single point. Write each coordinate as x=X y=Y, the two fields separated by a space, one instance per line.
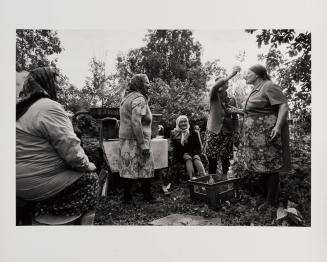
x=291 y=69
x=178 y=98
x=34 y=48
x=95 y=83
x=114 y=91
x=171 y=59
x=214 y=70
x=171 y=53
x=101 y=89
x=72 y=99
x=168 y=54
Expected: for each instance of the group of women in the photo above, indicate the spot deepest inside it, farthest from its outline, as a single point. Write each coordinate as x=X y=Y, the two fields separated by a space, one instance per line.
x=53 y=171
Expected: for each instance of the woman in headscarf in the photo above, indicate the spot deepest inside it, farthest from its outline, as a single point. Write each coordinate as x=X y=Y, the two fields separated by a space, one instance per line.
x=135 y=138
x=264 y=147
x=222 y=125
x=52 y=169
x=187 y=146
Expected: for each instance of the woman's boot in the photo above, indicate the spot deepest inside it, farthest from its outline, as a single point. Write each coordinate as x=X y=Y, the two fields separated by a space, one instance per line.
x=127 y=191
x=212 y=165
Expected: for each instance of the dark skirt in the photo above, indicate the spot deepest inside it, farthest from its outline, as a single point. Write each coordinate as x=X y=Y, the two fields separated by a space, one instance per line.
x=219 y=146
x=257 y=153
x=78 y=198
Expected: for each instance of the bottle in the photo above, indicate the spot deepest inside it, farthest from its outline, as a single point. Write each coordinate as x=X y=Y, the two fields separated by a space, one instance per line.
x=230 y=175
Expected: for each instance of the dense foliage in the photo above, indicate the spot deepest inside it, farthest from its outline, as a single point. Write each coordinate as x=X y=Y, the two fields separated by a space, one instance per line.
x=171 y=59
x=179 y=85
x=34 y=48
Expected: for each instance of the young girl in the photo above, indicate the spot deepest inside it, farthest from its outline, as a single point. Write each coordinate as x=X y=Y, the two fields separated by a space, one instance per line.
x=187 y=146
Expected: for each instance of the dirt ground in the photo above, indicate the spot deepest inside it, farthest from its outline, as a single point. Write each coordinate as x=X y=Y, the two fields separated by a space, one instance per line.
x=243 y=211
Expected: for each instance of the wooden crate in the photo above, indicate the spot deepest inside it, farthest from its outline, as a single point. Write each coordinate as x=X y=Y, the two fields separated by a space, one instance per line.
x=216 y=192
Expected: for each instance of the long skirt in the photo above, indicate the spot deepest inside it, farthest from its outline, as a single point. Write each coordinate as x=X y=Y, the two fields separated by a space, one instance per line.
x=76 y=199
x=257 y=152
x=132 y=163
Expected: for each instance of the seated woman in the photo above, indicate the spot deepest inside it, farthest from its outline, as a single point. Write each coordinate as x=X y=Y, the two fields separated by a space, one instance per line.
x=52 y=170
x=187 y=146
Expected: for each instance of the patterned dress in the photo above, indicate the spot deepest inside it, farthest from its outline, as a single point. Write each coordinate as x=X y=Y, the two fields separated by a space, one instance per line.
x=221 y=145
x=76 y=199
x=132 y=163
x=257 y=152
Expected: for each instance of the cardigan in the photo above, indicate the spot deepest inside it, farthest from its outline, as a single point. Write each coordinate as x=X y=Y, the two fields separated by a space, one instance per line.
x=135 y=104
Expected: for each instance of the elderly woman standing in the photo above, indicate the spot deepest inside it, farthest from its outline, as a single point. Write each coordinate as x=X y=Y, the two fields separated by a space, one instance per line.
x=222 y=125
x=264 y=145
x=52 y=169
x=135 y=138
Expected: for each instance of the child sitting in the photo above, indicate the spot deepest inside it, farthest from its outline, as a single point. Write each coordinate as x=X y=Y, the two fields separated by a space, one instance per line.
x=187 y=146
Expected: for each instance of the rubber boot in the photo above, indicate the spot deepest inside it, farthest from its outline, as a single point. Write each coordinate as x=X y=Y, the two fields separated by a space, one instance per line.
x=272 y=189
x=212 y=165
x=127 y=191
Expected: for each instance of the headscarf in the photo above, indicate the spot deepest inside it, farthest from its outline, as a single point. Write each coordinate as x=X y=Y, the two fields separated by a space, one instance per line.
x=184 y=133
x=137 y=85
x=261 y=71
x=39 y=83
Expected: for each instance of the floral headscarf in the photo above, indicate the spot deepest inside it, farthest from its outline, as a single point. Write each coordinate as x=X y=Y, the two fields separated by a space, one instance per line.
x=40 y=83
x=185 y=133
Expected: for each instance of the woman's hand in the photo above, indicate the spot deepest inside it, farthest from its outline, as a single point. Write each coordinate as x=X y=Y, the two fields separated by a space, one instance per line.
x=197 y=128
x=146 y=152
x=236 y=69
x=275 y=132
x=91 y=167
x=235 y=110
x=282 y=118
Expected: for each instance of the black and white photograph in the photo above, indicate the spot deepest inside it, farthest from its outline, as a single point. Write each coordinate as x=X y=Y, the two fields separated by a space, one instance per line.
x=163 y=127
x=163 y=131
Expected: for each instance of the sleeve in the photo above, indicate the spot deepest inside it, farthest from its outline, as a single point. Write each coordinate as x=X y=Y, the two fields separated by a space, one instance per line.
x=274 y=94
x=176 y=147
x=139 y=106
x=57 y=128
x=219 y=84
x=196 y=148
x=233 y=103
x=171 y=143
x=216 y=88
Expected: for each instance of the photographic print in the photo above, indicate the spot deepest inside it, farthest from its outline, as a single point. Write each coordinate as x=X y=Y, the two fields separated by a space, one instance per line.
x=163 y=127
